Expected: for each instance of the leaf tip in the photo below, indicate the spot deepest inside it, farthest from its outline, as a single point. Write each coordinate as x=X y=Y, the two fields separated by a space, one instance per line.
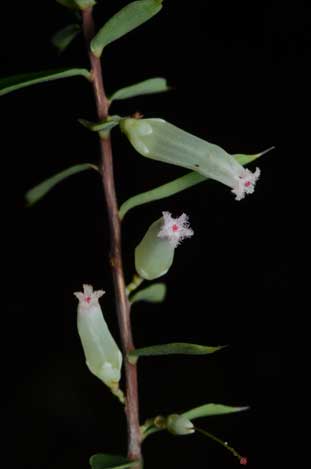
x=266 y=151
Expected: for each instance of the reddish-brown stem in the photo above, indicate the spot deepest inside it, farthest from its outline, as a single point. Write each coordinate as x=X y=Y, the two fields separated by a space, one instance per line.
x=122 y=303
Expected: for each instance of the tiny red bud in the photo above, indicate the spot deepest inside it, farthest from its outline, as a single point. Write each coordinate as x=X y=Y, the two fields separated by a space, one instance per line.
x=243 y=461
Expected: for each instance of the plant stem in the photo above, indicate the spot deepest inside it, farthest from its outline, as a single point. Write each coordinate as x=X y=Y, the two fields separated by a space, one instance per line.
x=122 y=303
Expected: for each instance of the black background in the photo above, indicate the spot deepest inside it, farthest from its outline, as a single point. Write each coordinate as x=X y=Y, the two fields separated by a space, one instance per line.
x=234 y=70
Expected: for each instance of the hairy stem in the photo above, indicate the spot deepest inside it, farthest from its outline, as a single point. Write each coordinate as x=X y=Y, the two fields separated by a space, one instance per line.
x=122 y=303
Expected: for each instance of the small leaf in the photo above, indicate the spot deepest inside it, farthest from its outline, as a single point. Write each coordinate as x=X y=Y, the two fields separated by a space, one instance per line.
x=71 y=4
x=110 y=461
x=153 y=294
x=128 y=18
x=151 y=86
x=208 y=410
x=103 y=126
x=246 y=159
x=62 y=38
x=177 y=348
x=177 y=185
x=39 y=191
x=13 y=83
x=76 y=4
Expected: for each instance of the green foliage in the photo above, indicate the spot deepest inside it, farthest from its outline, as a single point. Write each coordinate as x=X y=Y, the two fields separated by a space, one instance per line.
x=153 y=255
x=103 y=127
x=128 y=18
x=110 y=461
x=153 y=294
x=150 y=86
x=63 y=38
x=39 y=191
x=246 y=159
x=208 y=410
x=177 y=185
x=161 y=192
x=16 y=82
x=76 y=4
x=71 y=4
x=177 y=348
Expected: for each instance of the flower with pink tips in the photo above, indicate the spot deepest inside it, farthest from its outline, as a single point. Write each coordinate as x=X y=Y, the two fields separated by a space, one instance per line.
x=89 y=297
x=175 y=229
x=245 y=183
x=102 y=354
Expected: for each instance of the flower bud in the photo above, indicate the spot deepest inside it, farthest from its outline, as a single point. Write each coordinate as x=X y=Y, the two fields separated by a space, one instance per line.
x=162 y=141
x=102 y=354
x=155 y=253
x=179 y=425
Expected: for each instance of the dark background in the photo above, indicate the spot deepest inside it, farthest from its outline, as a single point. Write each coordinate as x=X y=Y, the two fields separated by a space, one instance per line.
x=237 y=72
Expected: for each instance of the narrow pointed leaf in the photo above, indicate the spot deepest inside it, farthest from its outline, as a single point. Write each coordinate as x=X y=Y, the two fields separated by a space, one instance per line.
x=128 y=18
x=177 y=348
x=68 y=4
x=39 y=191
x=63 y=38
x=105 y=125
x=246 y=159
x=208 y=410
x=16 y=82
x=161 y=192
x=110 y=461
x=151 y=86
x=153 y=294
x=76 y=4
x=177 y=185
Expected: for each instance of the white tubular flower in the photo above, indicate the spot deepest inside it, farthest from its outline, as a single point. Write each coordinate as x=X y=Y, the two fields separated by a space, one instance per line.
x=179 y=425
x=154 y=255
x=162 y=141
x=175 y=229
x=102 y=354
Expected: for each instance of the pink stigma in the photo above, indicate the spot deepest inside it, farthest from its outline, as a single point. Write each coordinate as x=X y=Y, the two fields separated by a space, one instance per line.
x=175 y=227
x=247 y=184
x=243 y=461
x=88 y=299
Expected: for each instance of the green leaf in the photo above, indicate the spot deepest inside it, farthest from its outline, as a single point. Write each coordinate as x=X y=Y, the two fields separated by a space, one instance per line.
x=39 y=191
x=16 y=82
x=177 y=348
x=153 y=294
x=71 y=4
x=178 y=185
x=110 y=461
x=62 y=38
x=246 y=159
x=103 y=126
x=151 y=86
x=128 y=18
x=161 y=192
x=76 y=4
x=208 y=410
